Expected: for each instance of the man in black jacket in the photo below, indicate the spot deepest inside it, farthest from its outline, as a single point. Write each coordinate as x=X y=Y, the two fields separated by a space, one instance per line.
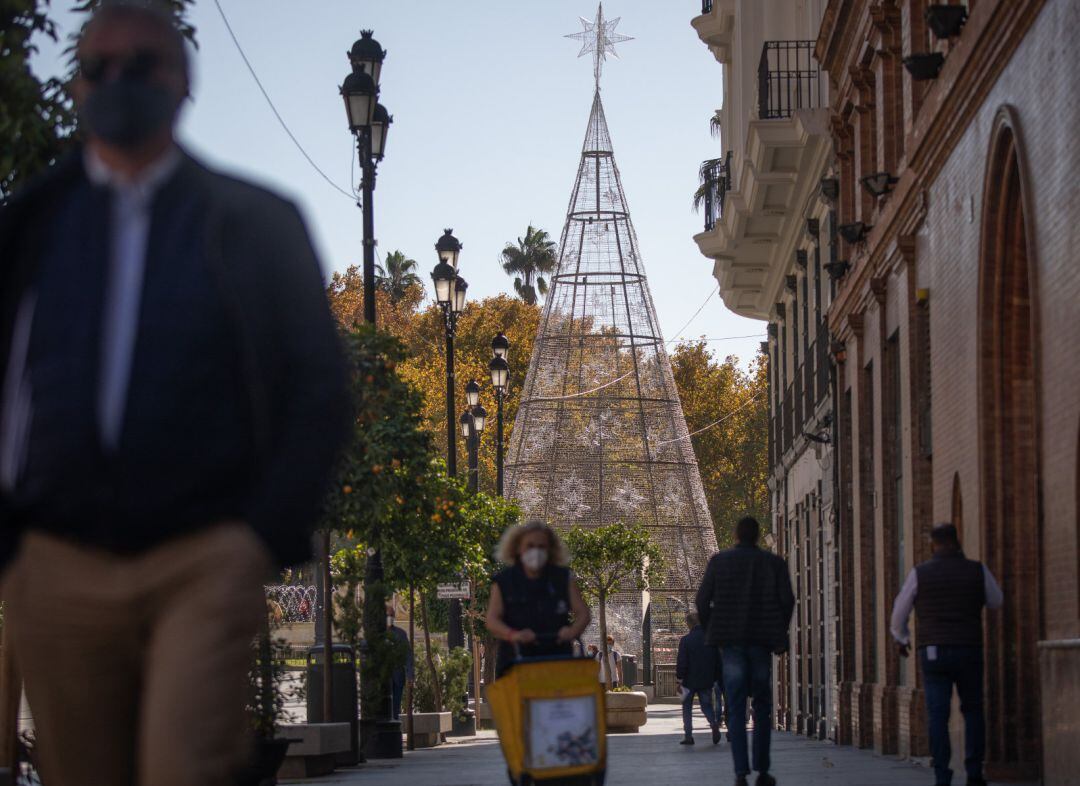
x=745 y=602
x=696 y=669
x=171 y=401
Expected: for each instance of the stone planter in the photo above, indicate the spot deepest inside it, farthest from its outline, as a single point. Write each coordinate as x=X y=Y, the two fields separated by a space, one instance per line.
x=428 y=727
x=626 y=711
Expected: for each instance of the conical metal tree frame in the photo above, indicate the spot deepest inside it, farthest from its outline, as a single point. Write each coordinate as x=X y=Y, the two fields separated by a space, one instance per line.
x=600 y=435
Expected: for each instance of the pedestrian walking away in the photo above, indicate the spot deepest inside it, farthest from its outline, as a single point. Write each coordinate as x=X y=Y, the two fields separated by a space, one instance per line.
x=745 y=603
x=696 y=671
x=172 y=399
x=948 y=593
x=403 y=673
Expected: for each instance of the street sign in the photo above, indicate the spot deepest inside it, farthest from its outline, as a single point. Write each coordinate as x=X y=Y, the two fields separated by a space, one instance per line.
x=453 y=591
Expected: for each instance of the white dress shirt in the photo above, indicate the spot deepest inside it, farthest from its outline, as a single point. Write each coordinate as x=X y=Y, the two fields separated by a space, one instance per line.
x=905 y=602
x=129 y=232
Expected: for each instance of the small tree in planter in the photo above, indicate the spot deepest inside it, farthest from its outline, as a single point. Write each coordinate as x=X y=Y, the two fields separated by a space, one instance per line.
x=611 y=558
x=265 y=707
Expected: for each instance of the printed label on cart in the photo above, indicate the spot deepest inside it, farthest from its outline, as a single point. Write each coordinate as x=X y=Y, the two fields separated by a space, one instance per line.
x=562 y=732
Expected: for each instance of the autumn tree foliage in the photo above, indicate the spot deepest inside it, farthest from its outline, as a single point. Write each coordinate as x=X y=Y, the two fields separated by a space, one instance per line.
x=732 y=455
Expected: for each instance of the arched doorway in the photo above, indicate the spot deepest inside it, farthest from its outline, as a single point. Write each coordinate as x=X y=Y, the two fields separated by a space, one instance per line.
x=1009 y=424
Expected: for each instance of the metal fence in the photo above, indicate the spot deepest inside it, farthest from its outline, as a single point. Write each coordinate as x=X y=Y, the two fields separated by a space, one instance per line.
x=788 y=79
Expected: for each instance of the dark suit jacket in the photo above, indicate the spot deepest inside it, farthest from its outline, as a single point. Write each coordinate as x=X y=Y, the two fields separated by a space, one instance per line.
x=272 y=289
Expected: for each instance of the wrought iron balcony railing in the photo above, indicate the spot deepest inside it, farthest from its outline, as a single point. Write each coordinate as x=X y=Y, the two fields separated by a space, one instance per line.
x=715 y=177
x=706 y=6
x=788 y=79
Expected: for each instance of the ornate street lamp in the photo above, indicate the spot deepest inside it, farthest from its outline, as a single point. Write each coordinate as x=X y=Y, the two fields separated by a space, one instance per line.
x=370 y=123
x=500 y=345
x=500 y=379
x=449 y=248
x=472 y=393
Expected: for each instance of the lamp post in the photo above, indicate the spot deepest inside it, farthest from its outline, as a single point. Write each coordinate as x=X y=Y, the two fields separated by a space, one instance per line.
x=450 y=289
x=370 y=123
x=500 y=378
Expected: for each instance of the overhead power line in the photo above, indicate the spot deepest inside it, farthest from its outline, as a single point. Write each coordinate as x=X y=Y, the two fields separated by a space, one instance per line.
x=273 y=108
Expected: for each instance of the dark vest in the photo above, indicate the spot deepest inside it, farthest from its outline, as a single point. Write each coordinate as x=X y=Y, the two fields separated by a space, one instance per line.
x=541 y=605
x=184 y=453
x=949 y=601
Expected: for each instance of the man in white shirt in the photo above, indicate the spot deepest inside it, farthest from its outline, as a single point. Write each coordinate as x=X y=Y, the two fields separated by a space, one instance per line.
x=948 y=593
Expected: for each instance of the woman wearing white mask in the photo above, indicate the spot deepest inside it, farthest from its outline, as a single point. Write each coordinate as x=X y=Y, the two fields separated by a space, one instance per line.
x=535 y=602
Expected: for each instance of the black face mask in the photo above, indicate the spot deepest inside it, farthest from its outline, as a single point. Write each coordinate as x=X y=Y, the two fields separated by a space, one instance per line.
x=126 y=112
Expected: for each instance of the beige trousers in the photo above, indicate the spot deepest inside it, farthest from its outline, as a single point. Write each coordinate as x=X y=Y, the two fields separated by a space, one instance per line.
x=135 y=666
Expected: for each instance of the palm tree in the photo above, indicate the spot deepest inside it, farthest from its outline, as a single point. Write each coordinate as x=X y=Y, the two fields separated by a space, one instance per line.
x=533 y=256
x=397 y=277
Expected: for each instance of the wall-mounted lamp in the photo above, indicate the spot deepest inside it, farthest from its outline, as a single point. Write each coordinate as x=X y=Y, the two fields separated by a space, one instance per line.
x=830 y=188
x=924 y=67
x=781 y=310
x=839 y=351
x=792 y=283
x=800 y=258
x=813 y=228
x=922 y=296
x=946 y=21
x=764 y=347
x=879 y=183
x=773 y=329
x=837 y=270
x=854 y=232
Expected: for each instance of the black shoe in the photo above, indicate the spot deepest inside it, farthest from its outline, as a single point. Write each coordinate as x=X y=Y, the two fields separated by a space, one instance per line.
x=740 y=780
x=715 y=735
x=688 y=740
x=765 y=779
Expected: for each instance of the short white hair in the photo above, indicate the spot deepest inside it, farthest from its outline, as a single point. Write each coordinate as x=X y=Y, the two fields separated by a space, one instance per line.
x=507 y=550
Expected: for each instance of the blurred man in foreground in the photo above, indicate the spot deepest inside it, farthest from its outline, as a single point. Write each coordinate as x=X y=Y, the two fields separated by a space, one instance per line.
x=172 y=398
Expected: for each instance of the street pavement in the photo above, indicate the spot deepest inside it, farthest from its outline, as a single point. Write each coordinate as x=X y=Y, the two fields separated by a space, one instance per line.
x=652 y=757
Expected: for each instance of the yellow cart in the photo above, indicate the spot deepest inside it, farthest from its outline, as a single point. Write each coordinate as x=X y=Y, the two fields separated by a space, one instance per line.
x=549 y=713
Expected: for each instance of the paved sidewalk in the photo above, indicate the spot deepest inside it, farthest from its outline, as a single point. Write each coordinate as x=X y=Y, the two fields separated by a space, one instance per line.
x=652 y=757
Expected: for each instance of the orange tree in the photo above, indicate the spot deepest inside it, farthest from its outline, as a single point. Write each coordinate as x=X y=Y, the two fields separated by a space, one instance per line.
x=732 y=455
x=610 y=559
x=383 y=469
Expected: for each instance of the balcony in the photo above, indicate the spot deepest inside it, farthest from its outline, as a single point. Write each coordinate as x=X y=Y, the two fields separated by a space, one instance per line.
x=716 y=26
x=787 y=149
x=788 y=79
x=715 y=177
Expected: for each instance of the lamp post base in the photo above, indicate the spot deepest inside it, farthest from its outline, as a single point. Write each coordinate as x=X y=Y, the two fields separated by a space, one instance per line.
x=381 y=739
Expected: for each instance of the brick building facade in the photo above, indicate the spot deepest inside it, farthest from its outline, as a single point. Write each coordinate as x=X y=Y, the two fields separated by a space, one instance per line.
x=954 y=368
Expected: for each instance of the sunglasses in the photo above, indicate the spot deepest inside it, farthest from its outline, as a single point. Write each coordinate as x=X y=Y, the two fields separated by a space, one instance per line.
x=138 y=65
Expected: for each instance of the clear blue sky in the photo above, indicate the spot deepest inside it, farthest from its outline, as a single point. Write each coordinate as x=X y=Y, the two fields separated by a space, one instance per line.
x=490 y=104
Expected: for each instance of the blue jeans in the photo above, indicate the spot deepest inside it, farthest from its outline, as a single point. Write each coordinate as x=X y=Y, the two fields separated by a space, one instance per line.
x=962 y=667
x=748 y=673
x=705 y=696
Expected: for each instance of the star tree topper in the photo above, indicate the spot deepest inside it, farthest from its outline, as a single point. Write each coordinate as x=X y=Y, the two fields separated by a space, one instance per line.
x=599 y=38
